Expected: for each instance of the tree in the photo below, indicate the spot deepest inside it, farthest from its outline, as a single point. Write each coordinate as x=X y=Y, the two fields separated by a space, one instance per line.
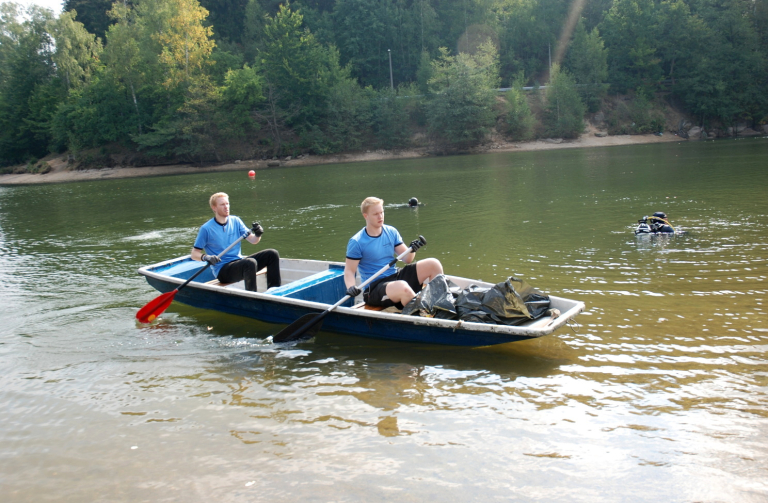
x=241 y=94
x=519 y=119
x=186 y=43
x=390 y=118
x=460 y=112
x=77 y=51
x=528 y=30
x=587 y=61
x=564 y=113
x=123 y=56
x=27 y=68
x=93 y=14
x=630 y=32
x=725 y=78
x=292 y=63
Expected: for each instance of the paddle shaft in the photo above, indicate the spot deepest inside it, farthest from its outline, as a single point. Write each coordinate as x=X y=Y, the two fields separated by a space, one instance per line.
x=288 y=334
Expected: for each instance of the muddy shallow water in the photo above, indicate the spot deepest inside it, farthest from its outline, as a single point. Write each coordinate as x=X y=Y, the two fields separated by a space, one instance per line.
x=660 y=393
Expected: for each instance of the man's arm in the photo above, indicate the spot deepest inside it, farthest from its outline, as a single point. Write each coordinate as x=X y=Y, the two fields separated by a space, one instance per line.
x=253 y=238
x=399 y=249
x=350 y=270
x=196 y=254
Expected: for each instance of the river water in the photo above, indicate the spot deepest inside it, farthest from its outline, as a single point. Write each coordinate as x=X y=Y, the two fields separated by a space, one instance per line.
x=660 y=393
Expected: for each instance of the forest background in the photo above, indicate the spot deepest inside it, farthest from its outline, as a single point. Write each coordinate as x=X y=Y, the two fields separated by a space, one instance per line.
x=140 y=82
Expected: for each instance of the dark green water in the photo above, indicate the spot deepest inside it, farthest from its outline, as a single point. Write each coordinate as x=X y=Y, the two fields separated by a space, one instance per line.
x=660 y=395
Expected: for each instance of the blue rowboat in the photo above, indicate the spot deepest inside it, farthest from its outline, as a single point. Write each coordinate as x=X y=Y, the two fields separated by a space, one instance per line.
x=312 y=286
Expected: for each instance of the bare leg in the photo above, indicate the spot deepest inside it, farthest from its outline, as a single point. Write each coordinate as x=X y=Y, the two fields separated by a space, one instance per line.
x=428 y=269
x=400 y=291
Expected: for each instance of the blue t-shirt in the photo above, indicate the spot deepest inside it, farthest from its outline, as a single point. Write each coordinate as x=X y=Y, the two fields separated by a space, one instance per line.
x=374 y=252
x=214 y=237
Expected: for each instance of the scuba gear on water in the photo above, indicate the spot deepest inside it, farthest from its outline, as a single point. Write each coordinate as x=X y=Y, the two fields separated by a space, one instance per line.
x=655 y=224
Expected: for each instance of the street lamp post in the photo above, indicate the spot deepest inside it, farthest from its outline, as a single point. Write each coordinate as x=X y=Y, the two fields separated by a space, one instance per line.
x=391 y=80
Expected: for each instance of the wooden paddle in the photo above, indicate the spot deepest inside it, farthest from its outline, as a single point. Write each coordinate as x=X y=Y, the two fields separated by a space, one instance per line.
x=309 y=324
x=155 y=308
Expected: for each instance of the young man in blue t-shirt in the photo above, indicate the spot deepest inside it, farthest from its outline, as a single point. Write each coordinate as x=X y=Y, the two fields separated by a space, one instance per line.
x=223 y=230
x=374 y=247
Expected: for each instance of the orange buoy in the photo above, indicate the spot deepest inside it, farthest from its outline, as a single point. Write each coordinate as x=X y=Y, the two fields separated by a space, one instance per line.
x=251 y=173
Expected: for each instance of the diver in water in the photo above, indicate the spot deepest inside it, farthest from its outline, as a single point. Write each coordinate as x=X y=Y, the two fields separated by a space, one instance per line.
x=655 y=224
x=413 y=202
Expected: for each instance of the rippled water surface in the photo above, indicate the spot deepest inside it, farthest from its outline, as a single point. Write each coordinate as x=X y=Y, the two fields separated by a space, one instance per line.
x=659 y=395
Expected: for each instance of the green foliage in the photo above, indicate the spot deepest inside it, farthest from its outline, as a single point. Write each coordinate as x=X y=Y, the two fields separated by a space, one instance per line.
x=391 y=118
x=587 y=61
x=197 y=138
x=77 y=51
x=424 y=73
x=564 y=112
x=460 y=111
x=92 y=14
x=292 y=60
x=92 y=116
x=27 y=70
x=348 y=115
x=519 y=120
x=725 y=79
x=223 y=61
x=226 y=17
x=630 y=31
x=528 y=31
x=367 y=32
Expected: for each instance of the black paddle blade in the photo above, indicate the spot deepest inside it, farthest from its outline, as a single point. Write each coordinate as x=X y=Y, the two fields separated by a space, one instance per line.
x=304 y=328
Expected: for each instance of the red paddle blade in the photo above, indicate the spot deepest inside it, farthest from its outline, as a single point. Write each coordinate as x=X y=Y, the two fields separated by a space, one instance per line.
x=155 y=308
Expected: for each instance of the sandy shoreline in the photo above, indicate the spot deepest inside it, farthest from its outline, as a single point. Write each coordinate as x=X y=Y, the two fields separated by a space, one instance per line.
x=60 y=173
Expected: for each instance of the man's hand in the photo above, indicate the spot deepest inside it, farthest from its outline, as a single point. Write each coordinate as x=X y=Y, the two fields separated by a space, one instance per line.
x=416 y=244
x=353 y=291
x=257 y=229
x=211 y=259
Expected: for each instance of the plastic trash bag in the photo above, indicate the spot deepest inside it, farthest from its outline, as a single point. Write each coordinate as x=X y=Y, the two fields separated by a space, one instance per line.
x=469 y=304
x=435 y=300
x=510 y=302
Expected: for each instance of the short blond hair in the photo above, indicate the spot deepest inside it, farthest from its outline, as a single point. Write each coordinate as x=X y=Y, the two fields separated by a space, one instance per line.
x=212 y=200
x=370 y=201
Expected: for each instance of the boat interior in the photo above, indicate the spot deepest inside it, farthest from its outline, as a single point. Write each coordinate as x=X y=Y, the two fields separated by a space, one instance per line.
x=311 y=280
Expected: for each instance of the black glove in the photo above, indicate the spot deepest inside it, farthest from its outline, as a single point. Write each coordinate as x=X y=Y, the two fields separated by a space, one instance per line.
x=416 y=244
x=353 y=291
x=211 y=259
x=257 y=229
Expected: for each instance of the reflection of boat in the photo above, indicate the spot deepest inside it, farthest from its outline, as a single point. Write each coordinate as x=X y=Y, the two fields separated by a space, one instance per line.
x=655 y=224
x=311 y=286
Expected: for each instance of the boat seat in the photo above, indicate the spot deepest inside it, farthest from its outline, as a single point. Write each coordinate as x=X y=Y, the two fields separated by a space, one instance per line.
x=216 y=282
x=325 y=286
x=368 y=307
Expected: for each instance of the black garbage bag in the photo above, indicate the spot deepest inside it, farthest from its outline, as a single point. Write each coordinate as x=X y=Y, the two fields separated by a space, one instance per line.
x=469 y=304
x=435 y=300
x=414 y=306
x=508 y=303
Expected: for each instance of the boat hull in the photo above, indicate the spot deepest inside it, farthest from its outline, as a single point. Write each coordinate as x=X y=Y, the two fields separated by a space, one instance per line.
x=272 y=308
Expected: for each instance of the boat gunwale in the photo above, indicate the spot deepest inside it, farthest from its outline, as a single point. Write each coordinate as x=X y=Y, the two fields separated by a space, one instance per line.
x=512 y=330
